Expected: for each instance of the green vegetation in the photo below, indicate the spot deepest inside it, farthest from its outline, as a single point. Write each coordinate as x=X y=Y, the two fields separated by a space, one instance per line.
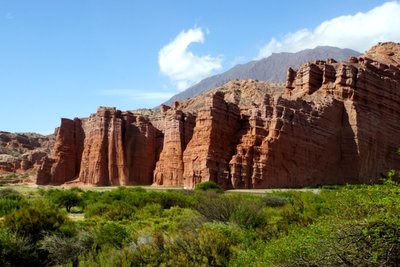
x=209 y=186
x=130 y=226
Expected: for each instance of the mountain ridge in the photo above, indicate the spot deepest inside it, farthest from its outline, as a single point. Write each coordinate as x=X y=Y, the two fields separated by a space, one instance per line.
x=271 y=69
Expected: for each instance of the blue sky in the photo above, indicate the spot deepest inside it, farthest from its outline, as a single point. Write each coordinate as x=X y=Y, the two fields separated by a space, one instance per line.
x=65 y=58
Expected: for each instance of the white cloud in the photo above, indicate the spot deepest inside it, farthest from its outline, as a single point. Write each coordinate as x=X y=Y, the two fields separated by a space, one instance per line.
x=358 y=32
x=182 y=66
x=135 y=94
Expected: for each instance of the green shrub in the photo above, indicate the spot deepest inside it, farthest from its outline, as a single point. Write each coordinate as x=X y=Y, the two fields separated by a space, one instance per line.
x=8 y=206
x=249 y=215
x=376 y=243
x=10 y=200
x=135 y=197
x=9 y=192
x=172 y=198
x=112 y=234
x=244 y=211
x=35 y=219
x=208 y=185
x=62 y=250
x=16 y=250
x=118 y=211
x=215 y=208
x=217 y=243
x=274 y=201
x=181 y=219
x=96 y=209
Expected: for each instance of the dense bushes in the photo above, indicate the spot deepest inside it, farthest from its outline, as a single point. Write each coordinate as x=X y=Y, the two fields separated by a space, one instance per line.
x=376 y=243
x=209 y=186
x=244 y=211
x=350 y=226
x=15 y=250
x=62 y=249
x=34 y=220
x=10 y=200
x=111 y=233
x=135 y=227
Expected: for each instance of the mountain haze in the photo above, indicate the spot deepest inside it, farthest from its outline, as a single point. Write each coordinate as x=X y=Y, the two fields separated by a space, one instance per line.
x=272 y=69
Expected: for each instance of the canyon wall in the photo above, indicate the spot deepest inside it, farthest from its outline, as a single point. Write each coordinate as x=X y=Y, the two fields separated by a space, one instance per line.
x=108 y=148
x=178 y=131
x=211 y=147
x=332 y=123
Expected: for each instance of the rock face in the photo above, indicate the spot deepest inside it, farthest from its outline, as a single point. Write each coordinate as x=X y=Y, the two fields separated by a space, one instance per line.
x=23 y=152
x=178 y=131
x=332 y=123
x=208 y=153
x=108 y=148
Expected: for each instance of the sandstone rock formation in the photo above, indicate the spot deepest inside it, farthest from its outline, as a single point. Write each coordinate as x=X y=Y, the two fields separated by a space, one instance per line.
x=211 y=147
x=23 y=152
x=333 y=122
x=108 y=148
x=178 y=130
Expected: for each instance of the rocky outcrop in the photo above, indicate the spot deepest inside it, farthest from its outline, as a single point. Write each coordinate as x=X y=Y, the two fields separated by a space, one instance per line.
x=332 y=123
x=386 y=53
x=178 y=131
x=208 y=153
x=67 y=154
x=108 y=148
x=23 y=152
x=335 y=123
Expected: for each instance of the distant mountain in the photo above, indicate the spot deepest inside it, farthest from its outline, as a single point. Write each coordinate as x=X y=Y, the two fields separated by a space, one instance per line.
x=272 y=69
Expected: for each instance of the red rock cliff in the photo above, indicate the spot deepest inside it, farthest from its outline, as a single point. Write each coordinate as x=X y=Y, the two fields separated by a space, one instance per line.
x=334 y=122
x=178 y=131
x=108 y=148
x=208 y=153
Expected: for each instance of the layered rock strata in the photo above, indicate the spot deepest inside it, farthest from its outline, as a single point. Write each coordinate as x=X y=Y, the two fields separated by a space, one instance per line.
x=334 y=123
x=211 y=147
x=23 y=152
x=108 y=148
x=178 y=131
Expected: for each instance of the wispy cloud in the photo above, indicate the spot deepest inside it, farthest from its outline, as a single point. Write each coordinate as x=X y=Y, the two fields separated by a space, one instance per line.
x=182 y=66
x=359 y=31
x=135 y=94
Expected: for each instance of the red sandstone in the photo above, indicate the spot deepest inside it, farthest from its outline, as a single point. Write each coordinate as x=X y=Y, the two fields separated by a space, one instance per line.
x=334 y=122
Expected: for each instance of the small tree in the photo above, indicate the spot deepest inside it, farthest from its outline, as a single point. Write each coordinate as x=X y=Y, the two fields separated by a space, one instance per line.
x=68 y=199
